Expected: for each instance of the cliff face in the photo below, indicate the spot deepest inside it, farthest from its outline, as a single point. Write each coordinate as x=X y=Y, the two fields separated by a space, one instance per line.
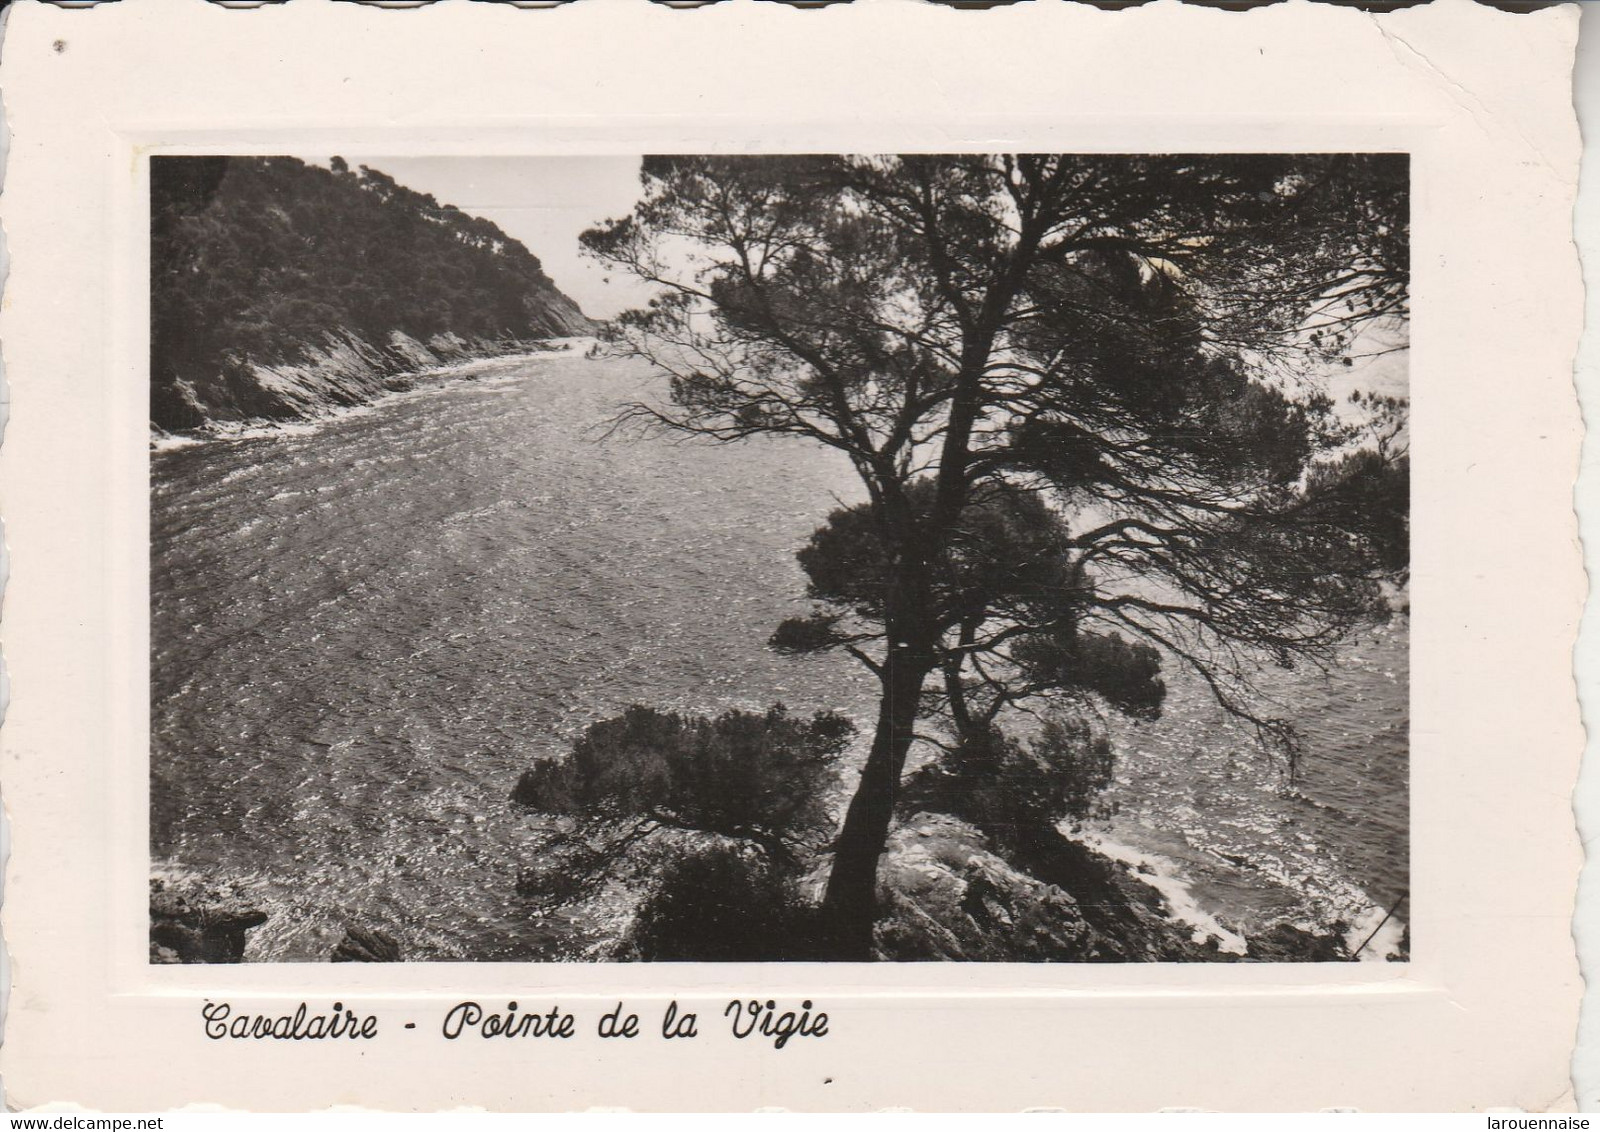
x=282 y=290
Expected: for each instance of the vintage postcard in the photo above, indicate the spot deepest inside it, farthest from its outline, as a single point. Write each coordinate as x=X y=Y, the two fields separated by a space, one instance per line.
x=720 y=559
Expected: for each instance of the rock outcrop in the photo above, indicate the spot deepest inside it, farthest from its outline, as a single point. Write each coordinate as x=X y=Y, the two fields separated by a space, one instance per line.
x=185 y=928
x=366 y=945
x=948 y=895
x=945 y=896
x=1292 y=943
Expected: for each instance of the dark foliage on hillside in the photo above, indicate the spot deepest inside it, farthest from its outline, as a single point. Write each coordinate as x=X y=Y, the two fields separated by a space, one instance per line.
x=258 y=260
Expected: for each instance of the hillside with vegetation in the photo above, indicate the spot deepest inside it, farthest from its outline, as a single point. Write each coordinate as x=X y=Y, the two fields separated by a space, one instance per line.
x=282 y=289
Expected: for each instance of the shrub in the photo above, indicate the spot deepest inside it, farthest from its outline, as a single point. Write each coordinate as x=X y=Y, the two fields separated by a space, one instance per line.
x=751 y=776
x=1011 y=792
x=724 y=905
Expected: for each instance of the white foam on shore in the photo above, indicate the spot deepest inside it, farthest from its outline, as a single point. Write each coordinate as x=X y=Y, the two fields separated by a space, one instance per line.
x=1384 y=944
x=574 y=343
x=1162 y=875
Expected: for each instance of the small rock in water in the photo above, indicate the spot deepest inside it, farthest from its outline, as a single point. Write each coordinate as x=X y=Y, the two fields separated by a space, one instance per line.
x=1293 y=943
x=366 y=945
x=526 y=792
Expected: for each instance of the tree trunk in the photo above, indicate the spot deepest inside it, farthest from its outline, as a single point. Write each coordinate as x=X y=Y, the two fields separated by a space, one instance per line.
x=851 y=902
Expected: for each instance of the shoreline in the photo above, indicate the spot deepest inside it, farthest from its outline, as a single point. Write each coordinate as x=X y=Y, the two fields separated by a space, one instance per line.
x=220 y=913
x=1164 y=875
x=1374 y=935
x=428 y=379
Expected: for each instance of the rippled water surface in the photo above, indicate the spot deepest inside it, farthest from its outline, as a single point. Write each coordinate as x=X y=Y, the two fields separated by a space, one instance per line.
x=363 y=632
x=1329 y=846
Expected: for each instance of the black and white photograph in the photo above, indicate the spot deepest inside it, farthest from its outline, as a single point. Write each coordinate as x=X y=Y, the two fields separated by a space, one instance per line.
x=885 y=558
x=991 y=558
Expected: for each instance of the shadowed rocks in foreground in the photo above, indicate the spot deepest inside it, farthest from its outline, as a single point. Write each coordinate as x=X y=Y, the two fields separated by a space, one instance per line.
x=184 y=929
x=206 y=924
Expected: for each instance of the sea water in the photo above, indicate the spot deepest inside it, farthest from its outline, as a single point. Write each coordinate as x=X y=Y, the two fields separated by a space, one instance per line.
x=365 y=629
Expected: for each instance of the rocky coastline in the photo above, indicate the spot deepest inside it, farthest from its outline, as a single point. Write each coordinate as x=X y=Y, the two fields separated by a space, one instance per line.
x=191 y=922
x=340 y=372
x=946 y=895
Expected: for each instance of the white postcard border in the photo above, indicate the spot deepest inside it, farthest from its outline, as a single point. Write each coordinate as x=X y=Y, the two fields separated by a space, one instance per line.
x=1477 y=1018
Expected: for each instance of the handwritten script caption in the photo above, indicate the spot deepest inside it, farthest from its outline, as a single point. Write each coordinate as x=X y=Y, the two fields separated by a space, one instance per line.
x=752 y=1018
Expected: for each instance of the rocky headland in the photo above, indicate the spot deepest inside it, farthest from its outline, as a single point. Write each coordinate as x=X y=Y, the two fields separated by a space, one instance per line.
x=282 y=290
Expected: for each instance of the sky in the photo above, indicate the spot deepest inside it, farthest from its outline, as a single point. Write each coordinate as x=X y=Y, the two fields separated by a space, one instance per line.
x=543 y=201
